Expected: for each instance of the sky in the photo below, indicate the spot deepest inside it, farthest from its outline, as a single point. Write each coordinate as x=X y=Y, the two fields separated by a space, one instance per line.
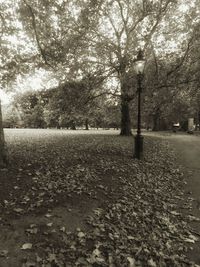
x=40 y=79
x=5 y=97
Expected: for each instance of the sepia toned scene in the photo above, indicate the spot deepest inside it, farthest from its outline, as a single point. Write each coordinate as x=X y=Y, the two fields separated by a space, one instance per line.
x=99 y=133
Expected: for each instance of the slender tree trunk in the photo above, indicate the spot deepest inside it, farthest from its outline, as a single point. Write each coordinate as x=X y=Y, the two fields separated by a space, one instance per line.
x=73 y=125
x=198 y=119
x=125 y=118
x=156 y=119
x=86 y=124
x=3 y=154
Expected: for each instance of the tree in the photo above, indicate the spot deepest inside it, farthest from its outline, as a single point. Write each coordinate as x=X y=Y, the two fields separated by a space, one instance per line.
x=3 y=152
x=11 y=116
x=69 y=104
x=171 y=72
x=7 y=67
x=15 y=56
x=30 y=107
x=100 y=35
x=74 y=103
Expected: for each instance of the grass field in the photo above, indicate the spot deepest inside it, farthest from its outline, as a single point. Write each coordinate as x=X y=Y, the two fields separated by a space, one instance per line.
x=78 y=198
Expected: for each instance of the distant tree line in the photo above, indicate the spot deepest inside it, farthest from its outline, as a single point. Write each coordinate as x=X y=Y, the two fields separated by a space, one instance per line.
x=67 y=106
x=72 y=106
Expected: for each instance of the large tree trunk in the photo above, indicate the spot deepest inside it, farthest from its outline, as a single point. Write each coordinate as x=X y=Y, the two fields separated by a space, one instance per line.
x=3 y=154
x=125 y=118
x=125 y=100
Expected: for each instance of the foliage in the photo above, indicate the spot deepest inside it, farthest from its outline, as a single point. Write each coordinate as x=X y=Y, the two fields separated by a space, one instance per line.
x=69 y=105
x=70 y=38
x=85 y=46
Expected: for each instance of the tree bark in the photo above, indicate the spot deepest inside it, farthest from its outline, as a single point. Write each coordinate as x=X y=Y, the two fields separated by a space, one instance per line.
x=125 y=118
x=125 y=100
x=3 y=153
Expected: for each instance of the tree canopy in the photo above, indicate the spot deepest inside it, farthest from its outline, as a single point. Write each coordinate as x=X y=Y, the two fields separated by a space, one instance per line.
x=71 y=40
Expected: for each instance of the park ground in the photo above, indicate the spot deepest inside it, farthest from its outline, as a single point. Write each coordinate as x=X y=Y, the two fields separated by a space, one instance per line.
x=78 y=198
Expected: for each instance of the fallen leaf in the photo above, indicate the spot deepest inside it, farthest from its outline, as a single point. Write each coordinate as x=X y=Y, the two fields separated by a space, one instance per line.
x=152 y=263
x=3 y=253
x=51 y=257
x=81 y=234
x=18 y=210
x=26 y=246
x=131 y=262
x=63 y=229
x=48 y=215
x=32 y=230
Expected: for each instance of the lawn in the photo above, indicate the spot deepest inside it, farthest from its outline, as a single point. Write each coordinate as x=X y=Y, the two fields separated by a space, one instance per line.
x=78 y=198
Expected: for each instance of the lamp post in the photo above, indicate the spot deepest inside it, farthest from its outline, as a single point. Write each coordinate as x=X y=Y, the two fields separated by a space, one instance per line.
x=139 y=68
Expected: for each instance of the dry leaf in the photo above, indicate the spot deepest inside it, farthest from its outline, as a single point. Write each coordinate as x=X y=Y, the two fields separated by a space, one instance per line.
x=26 y=246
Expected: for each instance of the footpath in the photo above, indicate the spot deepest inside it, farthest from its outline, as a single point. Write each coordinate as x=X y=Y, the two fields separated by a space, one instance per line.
x=187 y=150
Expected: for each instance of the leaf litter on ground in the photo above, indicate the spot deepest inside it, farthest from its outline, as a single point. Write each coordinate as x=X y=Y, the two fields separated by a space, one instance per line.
x=136 y=223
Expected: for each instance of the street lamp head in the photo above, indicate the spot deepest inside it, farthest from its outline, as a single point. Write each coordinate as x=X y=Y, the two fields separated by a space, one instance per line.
x=140 y=62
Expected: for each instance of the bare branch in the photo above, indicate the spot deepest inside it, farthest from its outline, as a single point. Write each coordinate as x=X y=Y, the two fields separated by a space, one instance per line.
x=42 y=52
x=101 y=94
x=160 y=15
x=3 y=24
x=125 y=20
x=155 y=59
x=131 y=30
x=172 y=85
x=182 y=60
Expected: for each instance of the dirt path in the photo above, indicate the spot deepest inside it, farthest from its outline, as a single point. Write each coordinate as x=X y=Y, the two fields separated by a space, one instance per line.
x=188 y=156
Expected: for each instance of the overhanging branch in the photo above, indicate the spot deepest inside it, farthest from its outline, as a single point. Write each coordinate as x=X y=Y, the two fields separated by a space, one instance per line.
x=42 y=52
